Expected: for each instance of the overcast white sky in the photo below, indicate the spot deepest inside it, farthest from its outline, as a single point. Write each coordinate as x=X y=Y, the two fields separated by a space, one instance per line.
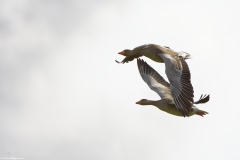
x=62 y=96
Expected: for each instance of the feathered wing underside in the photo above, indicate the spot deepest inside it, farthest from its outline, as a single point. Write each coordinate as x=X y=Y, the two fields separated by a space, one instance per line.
x=154 y=80
x=179 y=76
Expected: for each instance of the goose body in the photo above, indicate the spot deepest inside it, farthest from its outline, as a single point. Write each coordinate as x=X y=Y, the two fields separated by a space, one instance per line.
x=151 y=51
x=167 y=106
x=176 y=70
x=158 y=84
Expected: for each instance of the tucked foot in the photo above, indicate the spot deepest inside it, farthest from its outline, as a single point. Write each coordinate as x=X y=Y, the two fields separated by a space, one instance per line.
x=201 y=113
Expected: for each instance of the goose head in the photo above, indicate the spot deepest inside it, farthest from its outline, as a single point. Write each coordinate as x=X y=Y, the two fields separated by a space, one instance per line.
x=144 y=102
x=137 y=50
x=126 y=52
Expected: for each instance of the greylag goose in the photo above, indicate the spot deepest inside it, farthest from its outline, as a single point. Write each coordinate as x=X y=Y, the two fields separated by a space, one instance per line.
x=151 y=51
x=167 y=104
x=176 y=70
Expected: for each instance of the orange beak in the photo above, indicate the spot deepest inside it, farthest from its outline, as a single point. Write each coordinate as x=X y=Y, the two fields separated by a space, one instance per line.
x=139 y=102
x=122 y=53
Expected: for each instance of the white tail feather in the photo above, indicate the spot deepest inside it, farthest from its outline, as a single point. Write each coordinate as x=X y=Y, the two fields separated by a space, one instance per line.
x=185 y=55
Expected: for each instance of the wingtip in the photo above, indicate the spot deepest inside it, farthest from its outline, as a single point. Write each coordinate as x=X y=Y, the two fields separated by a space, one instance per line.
x=203 y=99
x=117 y=62
x=140 y=61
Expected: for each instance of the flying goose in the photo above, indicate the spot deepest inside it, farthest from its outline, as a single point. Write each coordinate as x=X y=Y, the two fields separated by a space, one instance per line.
x=151 y=51
x=167 y=104
x=176 y=70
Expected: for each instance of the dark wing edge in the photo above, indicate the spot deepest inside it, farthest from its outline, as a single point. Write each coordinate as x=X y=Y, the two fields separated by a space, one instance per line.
x=184 y=99
x=203 y=99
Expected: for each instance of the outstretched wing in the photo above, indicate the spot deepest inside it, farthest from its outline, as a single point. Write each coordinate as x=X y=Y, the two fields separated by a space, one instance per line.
x=153 y=79
x=179 y=77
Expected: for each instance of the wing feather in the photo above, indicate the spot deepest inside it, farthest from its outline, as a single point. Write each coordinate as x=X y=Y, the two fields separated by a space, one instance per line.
x=153 y=79
x=179 y=76
x=203 y=99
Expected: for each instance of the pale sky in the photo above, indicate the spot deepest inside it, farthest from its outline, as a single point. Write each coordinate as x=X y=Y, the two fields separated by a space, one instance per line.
x=63 y=96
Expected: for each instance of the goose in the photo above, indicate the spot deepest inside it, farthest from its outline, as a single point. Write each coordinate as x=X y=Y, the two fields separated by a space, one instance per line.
x=176 y=69
x=158 y=84
x=151 y=51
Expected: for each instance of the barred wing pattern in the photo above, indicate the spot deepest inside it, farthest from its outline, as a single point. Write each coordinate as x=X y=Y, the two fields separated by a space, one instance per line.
x=179 y=77
x=154 y=80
